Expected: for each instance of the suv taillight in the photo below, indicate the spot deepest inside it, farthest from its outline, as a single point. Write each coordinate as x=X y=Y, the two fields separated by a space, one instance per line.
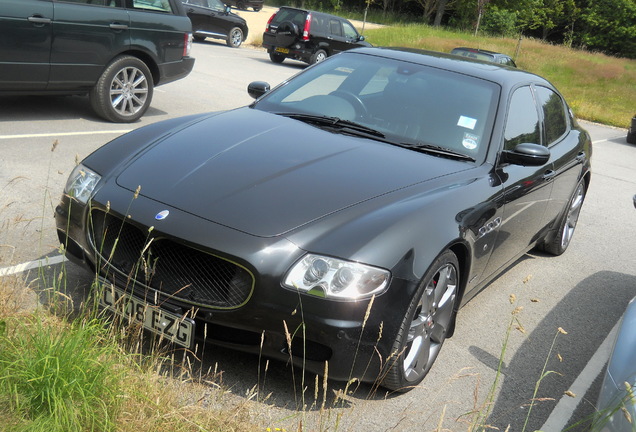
x=307 y=28
x=269 y=21
x=187 y=44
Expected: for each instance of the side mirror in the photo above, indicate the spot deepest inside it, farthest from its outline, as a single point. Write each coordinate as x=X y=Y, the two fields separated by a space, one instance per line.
x=527 y=154
x=361 y=38
x=228 y=9
x=257 y=89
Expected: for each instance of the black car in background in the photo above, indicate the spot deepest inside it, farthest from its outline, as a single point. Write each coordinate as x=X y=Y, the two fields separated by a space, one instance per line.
x=341 y=220
x=631 y=132
x=257 y=5
x=116 y=51
x=213 y=19
x=485 y=55
x=308 y=36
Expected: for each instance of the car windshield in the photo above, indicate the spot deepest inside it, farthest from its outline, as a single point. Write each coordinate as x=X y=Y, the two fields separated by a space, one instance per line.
x=401 y=102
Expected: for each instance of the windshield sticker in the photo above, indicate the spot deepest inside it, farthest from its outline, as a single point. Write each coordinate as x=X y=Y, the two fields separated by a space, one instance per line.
x=470 y=141
x=467 y=122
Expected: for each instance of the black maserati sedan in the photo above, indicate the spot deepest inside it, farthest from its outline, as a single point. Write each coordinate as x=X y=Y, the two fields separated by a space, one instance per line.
x=338 y=222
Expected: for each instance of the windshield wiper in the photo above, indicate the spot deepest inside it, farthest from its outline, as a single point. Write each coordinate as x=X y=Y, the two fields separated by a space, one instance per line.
x=335 y=122
x=362 y=130
x=436 y=150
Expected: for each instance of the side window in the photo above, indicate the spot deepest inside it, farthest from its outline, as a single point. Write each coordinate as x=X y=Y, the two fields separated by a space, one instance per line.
x=554 y=115
x=215 y=5
x=335 y=28
x=349 y=31
x=109 y=3
x=150 y=5
x=522 y=125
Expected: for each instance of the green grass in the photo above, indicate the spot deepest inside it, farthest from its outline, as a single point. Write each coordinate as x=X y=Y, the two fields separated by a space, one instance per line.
x=59 y=378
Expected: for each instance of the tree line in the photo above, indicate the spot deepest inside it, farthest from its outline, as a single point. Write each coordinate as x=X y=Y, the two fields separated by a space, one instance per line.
x=607 y=26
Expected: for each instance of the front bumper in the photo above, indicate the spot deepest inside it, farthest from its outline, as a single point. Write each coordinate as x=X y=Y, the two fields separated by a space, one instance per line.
x=353 y=338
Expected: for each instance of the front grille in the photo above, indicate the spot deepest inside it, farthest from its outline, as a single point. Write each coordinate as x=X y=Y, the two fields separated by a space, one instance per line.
x=136 y=257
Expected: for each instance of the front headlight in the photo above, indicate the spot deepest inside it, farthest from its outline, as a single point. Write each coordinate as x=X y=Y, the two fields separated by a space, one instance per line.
x=334 y=278
x=81 y=183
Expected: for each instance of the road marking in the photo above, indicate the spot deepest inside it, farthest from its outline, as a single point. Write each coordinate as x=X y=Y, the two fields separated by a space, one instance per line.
x=564 y=410
x=46 y=261
x=49 y=135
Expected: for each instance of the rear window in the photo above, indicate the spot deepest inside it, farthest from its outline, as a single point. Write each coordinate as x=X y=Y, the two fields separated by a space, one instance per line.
x=296 y=16
x=473 y=54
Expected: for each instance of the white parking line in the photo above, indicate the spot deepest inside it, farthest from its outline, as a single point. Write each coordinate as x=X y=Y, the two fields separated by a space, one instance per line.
x=563 y=411
x=48 y=135
x=46 y=261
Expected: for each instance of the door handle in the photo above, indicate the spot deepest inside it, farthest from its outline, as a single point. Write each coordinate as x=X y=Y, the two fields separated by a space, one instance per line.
x=118 y=26
x=39 y=20
x=549 y=175
x=581 y=157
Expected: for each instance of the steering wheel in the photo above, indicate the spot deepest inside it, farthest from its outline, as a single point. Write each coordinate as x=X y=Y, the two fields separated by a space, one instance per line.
x=355 y=101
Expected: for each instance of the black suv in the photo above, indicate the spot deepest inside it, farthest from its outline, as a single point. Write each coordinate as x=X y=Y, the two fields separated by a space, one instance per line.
x=116 y=51
x=308 y=36
x=213 y=19
x=631 y=133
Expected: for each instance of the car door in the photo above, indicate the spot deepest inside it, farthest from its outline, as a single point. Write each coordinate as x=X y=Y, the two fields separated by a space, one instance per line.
x=526 y=189
x=566 y=151
x=337 y=40
x=207 y=17
x=25 y=48
x=87 y=35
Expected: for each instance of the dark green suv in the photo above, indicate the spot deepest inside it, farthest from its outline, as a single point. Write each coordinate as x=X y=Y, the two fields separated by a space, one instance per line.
x=116 y=51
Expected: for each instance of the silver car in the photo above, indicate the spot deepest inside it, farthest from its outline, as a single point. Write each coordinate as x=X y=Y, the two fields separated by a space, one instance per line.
x=617 y=401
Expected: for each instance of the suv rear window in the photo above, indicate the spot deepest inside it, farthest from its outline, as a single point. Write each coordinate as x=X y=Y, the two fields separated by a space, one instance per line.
x=296 y=16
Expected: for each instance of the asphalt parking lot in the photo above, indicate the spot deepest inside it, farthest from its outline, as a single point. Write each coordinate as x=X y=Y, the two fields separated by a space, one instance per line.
x=584 y=291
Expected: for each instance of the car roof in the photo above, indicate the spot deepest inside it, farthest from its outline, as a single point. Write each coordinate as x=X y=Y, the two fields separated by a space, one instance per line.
x=501 y=74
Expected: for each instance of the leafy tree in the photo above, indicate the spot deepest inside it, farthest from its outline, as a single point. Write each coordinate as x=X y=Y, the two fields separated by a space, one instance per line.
x=609 y=26
x=546 y=17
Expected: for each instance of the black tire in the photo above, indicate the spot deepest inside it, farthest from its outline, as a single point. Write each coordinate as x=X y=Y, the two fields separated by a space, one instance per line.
x=124 y=91
x=631 y=137
x=567 y=224
x=240 y=5
x=427 y=322
x=286 y=34
x=318 y=56
x=198 y=38
x=276 y=57
x=257 y=9
x=234 y=37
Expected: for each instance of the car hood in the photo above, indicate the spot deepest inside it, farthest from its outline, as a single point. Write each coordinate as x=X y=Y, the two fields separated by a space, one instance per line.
x=265 y=174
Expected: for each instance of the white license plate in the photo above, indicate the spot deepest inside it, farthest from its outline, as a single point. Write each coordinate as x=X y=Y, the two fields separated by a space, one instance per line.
x=174 y=328
x=282 y=50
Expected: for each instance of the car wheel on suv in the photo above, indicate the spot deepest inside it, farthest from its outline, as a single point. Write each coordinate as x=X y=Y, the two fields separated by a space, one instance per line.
x=276 y=58
x=124 y=91
x=318 y=56
x=235 y=37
